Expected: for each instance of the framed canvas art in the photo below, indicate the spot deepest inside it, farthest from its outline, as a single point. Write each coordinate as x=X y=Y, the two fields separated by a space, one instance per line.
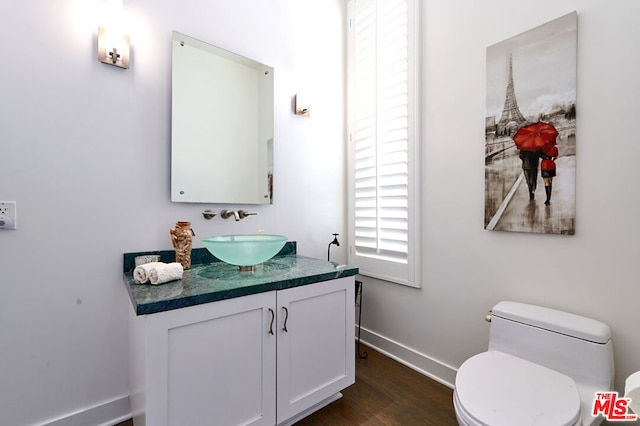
x=530 y=130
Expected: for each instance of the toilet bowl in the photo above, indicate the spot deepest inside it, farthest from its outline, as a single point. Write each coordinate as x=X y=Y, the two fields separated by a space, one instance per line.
x=542 y=368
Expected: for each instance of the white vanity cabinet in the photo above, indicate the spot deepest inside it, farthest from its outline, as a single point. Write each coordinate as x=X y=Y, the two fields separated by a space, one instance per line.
x=263 y=359
x=316 y=353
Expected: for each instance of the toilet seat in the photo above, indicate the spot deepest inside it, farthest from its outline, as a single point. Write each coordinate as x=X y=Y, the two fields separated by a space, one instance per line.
x=497 y=389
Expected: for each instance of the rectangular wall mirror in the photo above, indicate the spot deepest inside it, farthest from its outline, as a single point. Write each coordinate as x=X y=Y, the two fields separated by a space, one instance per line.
x=221 y=125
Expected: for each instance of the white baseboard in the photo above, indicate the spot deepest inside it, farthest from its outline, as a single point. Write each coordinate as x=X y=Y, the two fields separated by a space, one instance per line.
x=423 y=364
x=108 y=413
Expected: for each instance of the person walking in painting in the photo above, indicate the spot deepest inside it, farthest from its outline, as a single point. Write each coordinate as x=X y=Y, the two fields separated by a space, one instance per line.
x=532 y=140
x=548 y=169
x=530 y=161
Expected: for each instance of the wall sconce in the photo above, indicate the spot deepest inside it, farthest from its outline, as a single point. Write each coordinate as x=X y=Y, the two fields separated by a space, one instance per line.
x=113 y=48
x=302 y=105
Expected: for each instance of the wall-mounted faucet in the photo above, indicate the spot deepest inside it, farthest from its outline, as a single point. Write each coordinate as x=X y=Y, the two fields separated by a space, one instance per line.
x=237 y=215
x=225 y=214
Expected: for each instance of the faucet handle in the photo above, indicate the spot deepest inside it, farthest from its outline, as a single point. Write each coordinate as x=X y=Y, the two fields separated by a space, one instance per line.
x=209 y=214
x=244 y=213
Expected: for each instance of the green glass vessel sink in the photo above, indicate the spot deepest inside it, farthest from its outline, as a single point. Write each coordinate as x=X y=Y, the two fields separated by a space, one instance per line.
x=244 y=250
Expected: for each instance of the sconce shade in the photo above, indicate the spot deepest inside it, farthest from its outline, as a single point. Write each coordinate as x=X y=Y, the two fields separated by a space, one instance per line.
x=113 y=48
x=302 y=105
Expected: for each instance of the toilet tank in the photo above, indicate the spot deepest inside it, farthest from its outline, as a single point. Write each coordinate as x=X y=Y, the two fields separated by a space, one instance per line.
x=574 y=345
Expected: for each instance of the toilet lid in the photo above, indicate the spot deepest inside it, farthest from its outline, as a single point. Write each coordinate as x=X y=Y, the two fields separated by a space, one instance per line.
x=499 y=389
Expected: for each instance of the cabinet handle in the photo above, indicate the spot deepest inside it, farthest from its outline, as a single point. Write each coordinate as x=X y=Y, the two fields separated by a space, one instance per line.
x=273 y=317
x=286 y=317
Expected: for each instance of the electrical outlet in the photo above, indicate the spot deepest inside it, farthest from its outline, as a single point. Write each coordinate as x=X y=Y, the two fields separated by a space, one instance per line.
x=7 y=215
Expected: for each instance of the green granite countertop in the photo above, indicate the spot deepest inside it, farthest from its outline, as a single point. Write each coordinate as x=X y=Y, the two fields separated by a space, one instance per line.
x=210 y=280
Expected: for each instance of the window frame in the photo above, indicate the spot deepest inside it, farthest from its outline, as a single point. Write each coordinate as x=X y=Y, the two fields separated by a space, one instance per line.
x=408 y=273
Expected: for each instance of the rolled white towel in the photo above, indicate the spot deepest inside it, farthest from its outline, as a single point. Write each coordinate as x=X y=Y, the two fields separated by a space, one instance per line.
x=165 y=272
x=141 y=272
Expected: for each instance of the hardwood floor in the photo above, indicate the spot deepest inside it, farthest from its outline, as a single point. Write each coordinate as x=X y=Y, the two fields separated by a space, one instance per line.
x=386 y=393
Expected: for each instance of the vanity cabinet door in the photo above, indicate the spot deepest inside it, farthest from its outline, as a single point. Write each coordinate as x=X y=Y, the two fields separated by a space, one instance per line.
x=214 y=364
x=316 y=351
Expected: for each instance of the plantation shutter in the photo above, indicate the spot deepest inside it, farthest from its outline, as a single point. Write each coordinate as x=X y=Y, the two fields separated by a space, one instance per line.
x=380 y=136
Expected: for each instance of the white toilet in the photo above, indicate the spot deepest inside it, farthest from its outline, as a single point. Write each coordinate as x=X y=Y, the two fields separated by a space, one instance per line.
x=543 y=367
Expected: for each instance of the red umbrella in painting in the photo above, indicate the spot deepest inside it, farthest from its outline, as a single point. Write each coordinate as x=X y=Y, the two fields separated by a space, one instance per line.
x=535 y=136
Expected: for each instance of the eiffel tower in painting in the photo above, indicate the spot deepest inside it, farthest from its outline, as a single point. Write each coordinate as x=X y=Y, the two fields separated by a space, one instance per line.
x=511 y=112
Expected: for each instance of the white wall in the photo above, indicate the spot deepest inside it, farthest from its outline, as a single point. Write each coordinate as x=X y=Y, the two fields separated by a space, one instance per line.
x=85 y=153
x=467 y=269
x=87 y=192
